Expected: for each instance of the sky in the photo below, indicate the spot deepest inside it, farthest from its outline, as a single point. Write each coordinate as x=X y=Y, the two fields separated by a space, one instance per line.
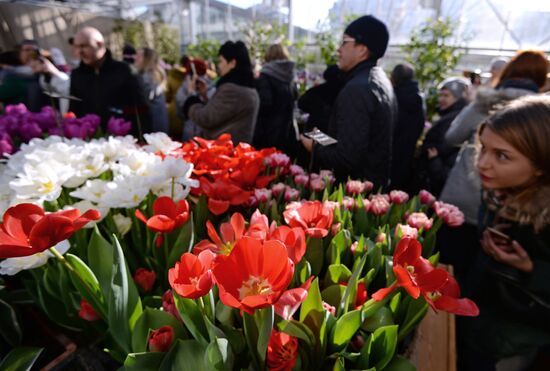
x=306 y=12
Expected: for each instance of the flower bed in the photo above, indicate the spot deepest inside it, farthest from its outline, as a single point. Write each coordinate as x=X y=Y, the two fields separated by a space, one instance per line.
x=206 y=255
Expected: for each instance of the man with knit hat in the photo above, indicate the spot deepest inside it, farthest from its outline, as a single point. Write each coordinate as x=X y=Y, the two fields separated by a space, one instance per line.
x=363 y=116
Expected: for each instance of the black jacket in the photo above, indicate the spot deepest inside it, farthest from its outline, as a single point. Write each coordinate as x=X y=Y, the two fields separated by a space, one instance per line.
x=112 y=90
x=362 y=121
x=277 y=91
x=434 y=171
x=319 y=100
x=408 y=128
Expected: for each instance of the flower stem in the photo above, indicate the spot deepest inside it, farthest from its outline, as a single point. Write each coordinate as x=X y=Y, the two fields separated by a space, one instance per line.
x=62 y=259
x=173 y=186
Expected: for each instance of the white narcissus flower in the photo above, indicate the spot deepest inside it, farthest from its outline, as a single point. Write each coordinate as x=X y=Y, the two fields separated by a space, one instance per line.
x=12 y=266
x=86 y=167
x=123 y=223
x=165 y=189
x=42 y=181
x=126 y=192
x=160 y=142
x=93 y=191
x=179 y=170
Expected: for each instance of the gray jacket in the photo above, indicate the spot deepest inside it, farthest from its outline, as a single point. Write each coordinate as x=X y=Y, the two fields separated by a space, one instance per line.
x=232 y=109
x=463 y=187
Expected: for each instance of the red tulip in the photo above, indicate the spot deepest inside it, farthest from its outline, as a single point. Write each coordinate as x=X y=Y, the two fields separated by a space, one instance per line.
x=27 y=229
x=314 y=218
x=222 y=194
x=161 y=339
x=167 y=215
x=282 y=351
x=145 y=279
x=87 y=312
x=294 y=240
x=168 y=304
x=191 y=277
x=414 y=273
x=230 y=232
x=254 y=275
x=447 y=298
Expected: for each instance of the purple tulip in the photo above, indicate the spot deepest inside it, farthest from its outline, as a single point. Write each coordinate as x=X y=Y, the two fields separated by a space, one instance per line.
x=91 y=122
x=55 y=131
x=6 y=144
x=16 y=109
x=118 y=127
x=75 y=130
x=29 y=130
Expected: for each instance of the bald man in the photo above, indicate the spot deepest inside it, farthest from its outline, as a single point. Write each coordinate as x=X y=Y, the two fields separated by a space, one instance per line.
x=105 y=86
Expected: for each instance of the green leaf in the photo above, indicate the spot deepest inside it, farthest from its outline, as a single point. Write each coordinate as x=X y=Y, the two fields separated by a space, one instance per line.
x=192 y=318
x=315 y=254
x=257 y=330
x=9 y=324
x=399 y=363
x=185 y=355
x=152 y=319
x=87 y=284
x=339 y=365
x=219 y=355
x=339 y=244
x=416 y=310
x=184 y=243
x=346 y=326
x=337 y=273
x=382 y=317
x=124 y=302
x=100 y=259
x=313 y=305
x=384 y=343
x=20 y=359
x=333 y=294
x=298 y=330
x=351 y=288
x=149 y=361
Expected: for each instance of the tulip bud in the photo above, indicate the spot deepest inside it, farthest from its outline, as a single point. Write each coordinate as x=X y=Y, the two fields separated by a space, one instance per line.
x=317 y=185
x=419 y=220
x=161 y=339
x=398 y=197
x=123 y=224
x=426 y=197
x=301 y=180
x=380 y=238
x=405 y=231
x=296 y=170
x=355 y=187
x=145 y=279
x=329 y=308
x=278 y=189
x=87 y=312
x=168 y=304
x=379 y=205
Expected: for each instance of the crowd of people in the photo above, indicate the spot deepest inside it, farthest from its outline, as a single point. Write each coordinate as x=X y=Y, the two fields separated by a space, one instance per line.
x=487 y=152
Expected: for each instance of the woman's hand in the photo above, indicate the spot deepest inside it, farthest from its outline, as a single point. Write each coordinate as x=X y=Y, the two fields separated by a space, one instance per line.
x=511 y=254
x=202 y=87
x=432 y=152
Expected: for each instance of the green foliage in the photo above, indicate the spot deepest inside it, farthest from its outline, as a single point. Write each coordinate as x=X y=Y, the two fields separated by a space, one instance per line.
x=20 y=359
x=258 y=36
x=159 y=36
x=206 y=49
x=327 y=47
x=434 y=49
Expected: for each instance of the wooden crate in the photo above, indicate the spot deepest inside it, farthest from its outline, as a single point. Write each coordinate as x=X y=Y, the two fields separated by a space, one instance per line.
x=434 y=344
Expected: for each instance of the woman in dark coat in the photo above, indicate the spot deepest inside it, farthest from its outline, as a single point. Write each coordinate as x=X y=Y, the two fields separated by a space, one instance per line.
x=277 y=91
x=437 y=157
x=234 y=106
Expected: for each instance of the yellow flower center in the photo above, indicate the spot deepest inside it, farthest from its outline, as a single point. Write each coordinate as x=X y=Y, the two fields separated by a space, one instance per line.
x=410 y=268
x=226 y=248
x=255 y=286
x=434 y=295
x=194 y=281
x=47 y=187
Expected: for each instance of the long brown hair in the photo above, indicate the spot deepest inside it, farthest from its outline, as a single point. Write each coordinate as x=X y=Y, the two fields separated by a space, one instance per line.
x=525 y=124
x=526 y=64
x=151 y=65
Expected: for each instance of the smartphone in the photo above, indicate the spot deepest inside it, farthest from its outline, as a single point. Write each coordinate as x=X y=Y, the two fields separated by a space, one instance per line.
x=499 y=236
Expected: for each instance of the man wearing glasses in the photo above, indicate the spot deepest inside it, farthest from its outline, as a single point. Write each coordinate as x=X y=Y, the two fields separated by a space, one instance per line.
x=363 y=116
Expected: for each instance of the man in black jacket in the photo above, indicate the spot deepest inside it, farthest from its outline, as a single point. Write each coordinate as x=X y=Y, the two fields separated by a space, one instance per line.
x=105 y=87
x=363 y=116
x=408 y=127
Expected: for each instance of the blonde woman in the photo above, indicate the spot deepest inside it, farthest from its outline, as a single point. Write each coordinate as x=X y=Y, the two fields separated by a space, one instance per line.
x=153 y=79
